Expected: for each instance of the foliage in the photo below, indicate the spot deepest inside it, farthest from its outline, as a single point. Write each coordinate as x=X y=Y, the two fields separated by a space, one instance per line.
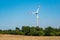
x=33 y=31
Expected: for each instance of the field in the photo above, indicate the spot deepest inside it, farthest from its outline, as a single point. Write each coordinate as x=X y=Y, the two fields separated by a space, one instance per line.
x=20 y=37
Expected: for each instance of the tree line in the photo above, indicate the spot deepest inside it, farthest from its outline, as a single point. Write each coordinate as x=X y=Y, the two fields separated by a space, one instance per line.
x=33 y=31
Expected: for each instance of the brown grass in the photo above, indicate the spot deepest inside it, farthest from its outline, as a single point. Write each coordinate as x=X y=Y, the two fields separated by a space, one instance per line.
x=19 y=37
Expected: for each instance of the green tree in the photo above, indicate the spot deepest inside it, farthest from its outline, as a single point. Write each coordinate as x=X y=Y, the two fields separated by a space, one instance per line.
x=32 y=31
x=36 y=31
x=17 y=31
x=48 y=30
x=25 y=29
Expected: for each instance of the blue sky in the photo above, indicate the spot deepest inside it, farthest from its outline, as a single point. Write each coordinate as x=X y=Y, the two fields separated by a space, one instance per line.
x=15 y=13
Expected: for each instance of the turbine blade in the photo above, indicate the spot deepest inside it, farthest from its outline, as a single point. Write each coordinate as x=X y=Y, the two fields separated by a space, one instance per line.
x=33 y=12
x=38 y=9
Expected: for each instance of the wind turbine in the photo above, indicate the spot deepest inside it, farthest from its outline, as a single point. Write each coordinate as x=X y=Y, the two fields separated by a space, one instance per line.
x=37 y=17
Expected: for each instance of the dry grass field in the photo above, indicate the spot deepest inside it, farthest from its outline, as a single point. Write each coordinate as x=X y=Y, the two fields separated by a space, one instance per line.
x=19 y=37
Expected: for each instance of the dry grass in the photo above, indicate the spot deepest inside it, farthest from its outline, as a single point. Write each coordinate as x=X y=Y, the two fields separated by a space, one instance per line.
x=19 y=37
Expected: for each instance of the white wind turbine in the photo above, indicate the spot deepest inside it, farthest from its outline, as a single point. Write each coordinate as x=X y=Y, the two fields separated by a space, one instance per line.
x=37 y=17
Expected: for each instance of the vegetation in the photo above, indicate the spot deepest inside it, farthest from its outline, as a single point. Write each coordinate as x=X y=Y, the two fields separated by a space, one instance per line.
x=33 y=31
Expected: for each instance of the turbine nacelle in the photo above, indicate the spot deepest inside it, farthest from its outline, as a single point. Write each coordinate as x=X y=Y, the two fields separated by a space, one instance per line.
x=36 y=13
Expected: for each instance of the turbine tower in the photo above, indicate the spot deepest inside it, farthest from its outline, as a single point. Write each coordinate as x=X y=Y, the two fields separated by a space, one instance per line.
x=37 y=17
